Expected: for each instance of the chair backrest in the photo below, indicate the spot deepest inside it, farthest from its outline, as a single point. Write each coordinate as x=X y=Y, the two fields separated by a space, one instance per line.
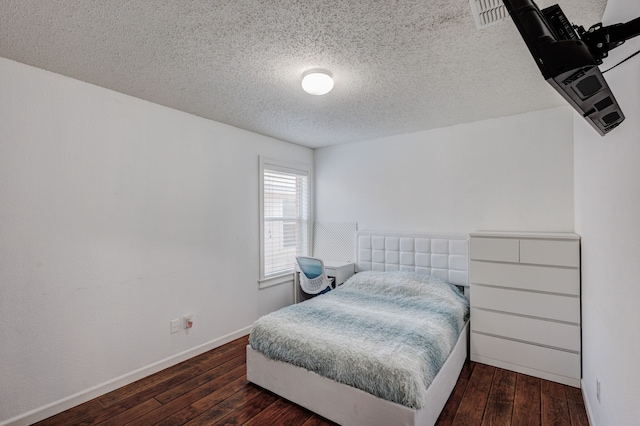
x=310 y=266
x=313 y=278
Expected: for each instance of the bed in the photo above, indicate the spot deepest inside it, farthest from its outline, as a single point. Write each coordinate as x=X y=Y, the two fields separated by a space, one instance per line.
x=366 y=353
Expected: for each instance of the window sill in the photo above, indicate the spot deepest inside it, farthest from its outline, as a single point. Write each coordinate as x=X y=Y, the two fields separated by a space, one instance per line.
x=273 y=281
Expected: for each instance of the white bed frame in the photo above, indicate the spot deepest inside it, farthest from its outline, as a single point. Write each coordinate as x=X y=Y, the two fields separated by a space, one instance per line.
x=444 y=256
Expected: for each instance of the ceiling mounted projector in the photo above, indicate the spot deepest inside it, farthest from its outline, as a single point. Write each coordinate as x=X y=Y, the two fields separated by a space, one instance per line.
x=568 y=57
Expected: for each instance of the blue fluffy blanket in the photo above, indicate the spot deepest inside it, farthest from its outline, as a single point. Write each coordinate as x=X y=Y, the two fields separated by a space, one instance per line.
x=387 y=333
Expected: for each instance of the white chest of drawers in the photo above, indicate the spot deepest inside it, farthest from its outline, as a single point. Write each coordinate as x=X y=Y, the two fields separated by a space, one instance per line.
x=525 y=303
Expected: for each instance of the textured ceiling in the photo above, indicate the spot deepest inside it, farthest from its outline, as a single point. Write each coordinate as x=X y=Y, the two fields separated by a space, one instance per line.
x=399 y=66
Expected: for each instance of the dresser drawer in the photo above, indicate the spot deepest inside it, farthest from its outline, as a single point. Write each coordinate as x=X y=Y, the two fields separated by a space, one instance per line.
x=549 y=252
x=548 y=333
x=540 y=305
x=530 y=356
x=526 y=277
x=496 y=249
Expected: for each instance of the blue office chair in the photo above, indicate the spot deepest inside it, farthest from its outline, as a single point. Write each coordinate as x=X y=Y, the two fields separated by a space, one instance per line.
x=313 y=278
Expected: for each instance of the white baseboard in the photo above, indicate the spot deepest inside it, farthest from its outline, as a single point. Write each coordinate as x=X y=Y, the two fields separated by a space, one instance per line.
x=63 y=404
x=587 y=405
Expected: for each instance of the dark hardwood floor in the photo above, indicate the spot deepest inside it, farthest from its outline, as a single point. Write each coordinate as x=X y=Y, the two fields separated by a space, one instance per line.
x=212 y=389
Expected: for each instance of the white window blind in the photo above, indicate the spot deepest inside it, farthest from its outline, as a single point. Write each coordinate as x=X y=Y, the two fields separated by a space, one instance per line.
x=285 y=218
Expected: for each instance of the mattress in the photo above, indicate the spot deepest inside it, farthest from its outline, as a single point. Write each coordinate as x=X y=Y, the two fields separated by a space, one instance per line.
x=386 y=333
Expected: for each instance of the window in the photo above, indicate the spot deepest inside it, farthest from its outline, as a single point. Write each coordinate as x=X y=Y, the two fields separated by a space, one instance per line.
x=284 y=219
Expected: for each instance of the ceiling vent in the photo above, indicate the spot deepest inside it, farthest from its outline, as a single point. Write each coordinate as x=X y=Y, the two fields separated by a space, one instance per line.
x=488 y=12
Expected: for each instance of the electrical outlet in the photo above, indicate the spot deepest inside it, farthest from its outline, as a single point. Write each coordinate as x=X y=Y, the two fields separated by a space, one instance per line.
x=188 y=321
x=598 y=389
x=175 y=325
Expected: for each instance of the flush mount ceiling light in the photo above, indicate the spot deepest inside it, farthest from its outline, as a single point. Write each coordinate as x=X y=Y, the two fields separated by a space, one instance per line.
x=317 y=82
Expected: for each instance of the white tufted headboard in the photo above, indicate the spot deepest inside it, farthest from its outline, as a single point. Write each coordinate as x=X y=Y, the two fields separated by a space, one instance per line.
x=442 y=256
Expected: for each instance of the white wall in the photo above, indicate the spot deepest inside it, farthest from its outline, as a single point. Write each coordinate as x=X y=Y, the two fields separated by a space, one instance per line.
x=513 y=173
x=116 y=216
x=607 y=192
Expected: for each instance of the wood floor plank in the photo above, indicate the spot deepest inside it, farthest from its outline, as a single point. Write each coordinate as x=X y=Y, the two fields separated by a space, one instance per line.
x=452 y=404
x=317 y=420
x=190 y=397
x=554 y=412
x=180 y=389
x=167 y=374
x=526 y=404
x=554 y=407
x=212 y=413
x=73 y=415
x=553 y=390
x=241 y=415
x=498 y=414
x=210 y=401
x=577 y=409
x=499 y=409
x=527 y=393
x=131 y=414
x=451 y=407
x=241 y=390
x=474 y=401
x=139 y=397
x=281 y=413
x=503 y=387
x=212 y=359
x=125 y=392
x=467 y=369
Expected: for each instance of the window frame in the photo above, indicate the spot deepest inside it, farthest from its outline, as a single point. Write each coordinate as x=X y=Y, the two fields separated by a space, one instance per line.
x=286 y=167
